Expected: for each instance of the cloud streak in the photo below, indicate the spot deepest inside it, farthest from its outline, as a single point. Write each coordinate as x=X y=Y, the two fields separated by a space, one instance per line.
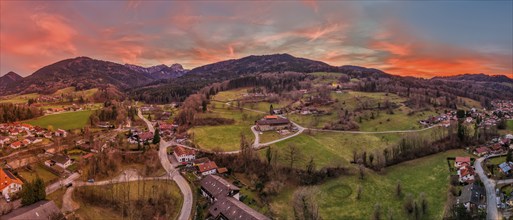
x=35 y=34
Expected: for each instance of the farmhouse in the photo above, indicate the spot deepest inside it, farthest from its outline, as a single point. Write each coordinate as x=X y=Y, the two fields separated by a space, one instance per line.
x=207 y=168
x=4 y=140
x=272 y=122
x=9 y=184
x=214 y=187
x=461 y=161
x=184 y=154
x=61 y=160
x=472 y=197
x=41 y=210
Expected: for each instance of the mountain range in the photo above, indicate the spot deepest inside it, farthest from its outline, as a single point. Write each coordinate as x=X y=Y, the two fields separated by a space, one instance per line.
x=86 y=73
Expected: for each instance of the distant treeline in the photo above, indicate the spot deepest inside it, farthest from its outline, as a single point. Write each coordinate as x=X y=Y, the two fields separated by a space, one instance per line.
x=10 y=112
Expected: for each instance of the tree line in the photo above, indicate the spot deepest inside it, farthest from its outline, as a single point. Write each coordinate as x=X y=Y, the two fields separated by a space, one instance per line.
x=12 y=112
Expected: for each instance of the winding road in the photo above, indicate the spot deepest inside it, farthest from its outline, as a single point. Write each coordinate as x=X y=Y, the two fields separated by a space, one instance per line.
x=491 y=199
x=185 y=212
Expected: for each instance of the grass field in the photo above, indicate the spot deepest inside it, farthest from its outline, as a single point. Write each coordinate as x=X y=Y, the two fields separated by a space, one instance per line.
x=400 y=120
x=330 y=148
x=230 y=94
x=337 y=198
x=271 y=136
x=96 y=211
x=225 y=137
x=44 y=174
x=66 y=121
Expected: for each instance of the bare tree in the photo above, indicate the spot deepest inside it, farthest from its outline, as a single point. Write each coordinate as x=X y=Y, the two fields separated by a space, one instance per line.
x=305 y=205
x=292 y=154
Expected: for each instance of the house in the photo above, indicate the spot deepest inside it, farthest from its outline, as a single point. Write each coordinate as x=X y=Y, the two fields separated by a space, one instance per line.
x=26 y=142
x=199 y=161
x=34 y=140
x=231 y=208
x=505 y=167
x=466 y=174
x=146 y=136
x=9 y=184
x=472 y=197
x=481 y=151
x=225 y=198
x=214 y=187
x=61 y=133
x=460 y=161
x=4 y=140
x=272 y=122
x=42 y=210
x=61 y=160
x=207 y=168
x=48 y=135
x=183 y=154
x=16 y=145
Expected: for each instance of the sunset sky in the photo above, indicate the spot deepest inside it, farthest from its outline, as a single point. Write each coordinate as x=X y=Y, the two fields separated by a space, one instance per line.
x=423 y=39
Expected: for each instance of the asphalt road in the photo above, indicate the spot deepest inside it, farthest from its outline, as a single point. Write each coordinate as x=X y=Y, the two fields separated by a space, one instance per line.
x=55 y=186
x=185 y=212
x=491 y=198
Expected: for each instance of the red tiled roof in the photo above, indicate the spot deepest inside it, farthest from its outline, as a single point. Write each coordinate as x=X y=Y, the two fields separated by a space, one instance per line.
x=463 y=159
x=181 y=151
x=211 y=165
x=482 y=150
x=7 y=178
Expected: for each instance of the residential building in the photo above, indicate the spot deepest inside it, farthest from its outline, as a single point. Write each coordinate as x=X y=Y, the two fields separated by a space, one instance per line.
x=9 y=184
x=225 y=198
x=42 y=210
x=481 y=151
x=183 y=154
x=207 y=168
x=61 y=133
x=61 y=160
x=472 y=197
x=466 y=174
x=460 y=161
x=16 y=144
x=229 y=208
x=214 y=187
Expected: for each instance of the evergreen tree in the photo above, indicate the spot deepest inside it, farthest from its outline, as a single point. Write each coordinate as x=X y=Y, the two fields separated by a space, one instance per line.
x=508 y=156
x=156 y=137
x=271 y=110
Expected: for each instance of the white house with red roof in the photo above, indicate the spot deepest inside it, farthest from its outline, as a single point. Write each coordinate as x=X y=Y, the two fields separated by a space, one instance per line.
x=183 y=154
x=9 y=184
x=16 y=145
x=207 y=168
x=466 y=174
x=61 y=133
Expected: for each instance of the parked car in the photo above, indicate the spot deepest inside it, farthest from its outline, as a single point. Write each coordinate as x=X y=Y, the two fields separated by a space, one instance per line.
x=69 y=185
x=90 y=180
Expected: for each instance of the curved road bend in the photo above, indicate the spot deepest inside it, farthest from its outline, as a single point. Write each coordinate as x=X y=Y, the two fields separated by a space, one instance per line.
x=185 y=212
x=491 y=199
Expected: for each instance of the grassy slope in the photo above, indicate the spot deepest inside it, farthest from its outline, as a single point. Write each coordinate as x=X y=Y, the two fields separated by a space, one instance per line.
x=330 y=148
x=19 y=98
x=337 y=198
x=69 y=120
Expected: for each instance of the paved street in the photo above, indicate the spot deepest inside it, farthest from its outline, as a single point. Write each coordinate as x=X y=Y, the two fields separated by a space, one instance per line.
x=491 y=201
x=185 y=212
